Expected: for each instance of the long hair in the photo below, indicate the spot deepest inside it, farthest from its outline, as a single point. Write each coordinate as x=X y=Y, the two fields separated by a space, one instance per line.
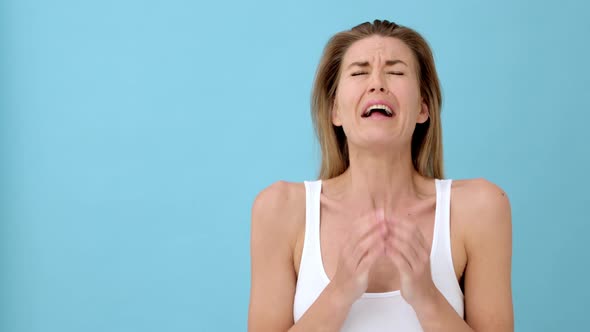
x=427 y=153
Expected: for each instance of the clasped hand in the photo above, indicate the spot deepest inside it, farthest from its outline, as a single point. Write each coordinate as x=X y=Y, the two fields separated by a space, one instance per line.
x=399 y=240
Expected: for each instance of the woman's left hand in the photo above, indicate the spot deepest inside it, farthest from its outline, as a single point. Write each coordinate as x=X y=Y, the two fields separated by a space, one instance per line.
x=407 y=248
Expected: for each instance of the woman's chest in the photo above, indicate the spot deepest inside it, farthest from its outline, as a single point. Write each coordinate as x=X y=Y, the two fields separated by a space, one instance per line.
x=338 y=229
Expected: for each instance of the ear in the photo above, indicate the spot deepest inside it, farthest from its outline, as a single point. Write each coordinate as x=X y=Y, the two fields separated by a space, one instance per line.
x=335 y=115
x=424 y=113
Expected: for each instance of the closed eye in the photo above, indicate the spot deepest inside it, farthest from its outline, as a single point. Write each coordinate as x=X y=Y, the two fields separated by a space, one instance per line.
x=395 y=73
x=358 y=73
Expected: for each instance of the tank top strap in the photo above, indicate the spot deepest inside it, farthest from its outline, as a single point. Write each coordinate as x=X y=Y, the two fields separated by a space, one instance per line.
x=311 y=240
x=443 y=214
x=443 y=271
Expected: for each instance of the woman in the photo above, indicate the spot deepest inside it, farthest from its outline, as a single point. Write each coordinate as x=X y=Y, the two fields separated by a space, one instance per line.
x=385 y=256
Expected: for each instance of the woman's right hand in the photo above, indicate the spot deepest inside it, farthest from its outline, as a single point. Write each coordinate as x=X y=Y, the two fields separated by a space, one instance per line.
x=365 y=243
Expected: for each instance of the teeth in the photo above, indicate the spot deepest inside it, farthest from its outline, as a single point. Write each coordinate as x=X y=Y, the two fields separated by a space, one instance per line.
x=379 y=106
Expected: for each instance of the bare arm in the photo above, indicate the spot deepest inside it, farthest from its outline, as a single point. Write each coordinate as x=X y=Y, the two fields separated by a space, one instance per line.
x=273 y=274
x=327 y=313
x=488 y=295
x=273 y=278
x=488 y=290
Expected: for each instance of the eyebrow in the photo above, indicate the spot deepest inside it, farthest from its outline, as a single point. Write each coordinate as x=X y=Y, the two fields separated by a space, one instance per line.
x=366 y=63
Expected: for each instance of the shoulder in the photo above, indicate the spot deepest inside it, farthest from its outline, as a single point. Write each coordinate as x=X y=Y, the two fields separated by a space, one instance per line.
x=278 y=197
x=480 y=195
x=278 y=209
x=483 y=207
x=482 y=210
x=275 y=219
x=481 y=192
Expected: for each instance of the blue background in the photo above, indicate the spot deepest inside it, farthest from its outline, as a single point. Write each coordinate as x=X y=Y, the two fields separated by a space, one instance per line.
x=134 y=136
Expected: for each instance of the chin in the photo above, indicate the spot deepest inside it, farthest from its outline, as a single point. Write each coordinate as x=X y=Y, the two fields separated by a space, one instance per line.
x=379 y=143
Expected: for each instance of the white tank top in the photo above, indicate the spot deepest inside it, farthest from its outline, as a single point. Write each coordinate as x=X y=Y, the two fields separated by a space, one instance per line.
x=375 y=312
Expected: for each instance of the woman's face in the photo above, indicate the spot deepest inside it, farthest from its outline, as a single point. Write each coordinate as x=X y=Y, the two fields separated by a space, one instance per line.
x=378 y=100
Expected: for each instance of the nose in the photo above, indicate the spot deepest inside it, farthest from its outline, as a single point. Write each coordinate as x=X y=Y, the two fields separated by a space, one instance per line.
x=381 y=89
x=377 y=84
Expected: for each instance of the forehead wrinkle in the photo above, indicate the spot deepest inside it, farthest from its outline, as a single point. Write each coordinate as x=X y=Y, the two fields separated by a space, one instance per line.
x=379 y=49
x=376 y=54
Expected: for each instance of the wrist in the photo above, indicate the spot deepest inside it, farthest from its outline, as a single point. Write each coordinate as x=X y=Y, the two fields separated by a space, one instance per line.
x=338 y=298
x=429 y=305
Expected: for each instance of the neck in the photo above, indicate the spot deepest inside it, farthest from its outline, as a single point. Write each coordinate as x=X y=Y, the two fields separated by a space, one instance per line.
x=381 y=179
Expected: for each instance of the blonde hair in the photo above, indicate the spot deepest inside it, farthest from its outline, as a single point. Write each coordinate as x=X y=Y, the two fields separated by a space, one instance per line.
x=427 y=153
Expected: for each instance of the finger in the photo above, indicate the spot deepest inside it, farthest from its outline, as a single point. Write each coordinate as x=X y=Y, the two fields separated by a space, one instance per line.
x=371 y=256
x=402 y=243
x=380 y=217
x=423 y=248
x=371 y=225
x=411 y=234
x=376 y=248
x=415 y=233
x=391 y=224
x=361 y=228
x=354 y=247
x=406 y=249
x=398 y=258
x=366 y=243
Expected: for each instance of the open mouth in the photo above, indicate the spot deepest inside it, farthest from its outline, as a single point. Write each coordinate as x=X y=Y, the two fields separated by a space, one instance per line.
x=376 y=110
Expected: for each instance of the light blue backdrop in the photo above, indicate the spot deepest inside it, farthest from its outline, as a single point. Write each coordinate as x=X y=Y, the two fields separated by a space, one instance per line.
x=135 y=135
